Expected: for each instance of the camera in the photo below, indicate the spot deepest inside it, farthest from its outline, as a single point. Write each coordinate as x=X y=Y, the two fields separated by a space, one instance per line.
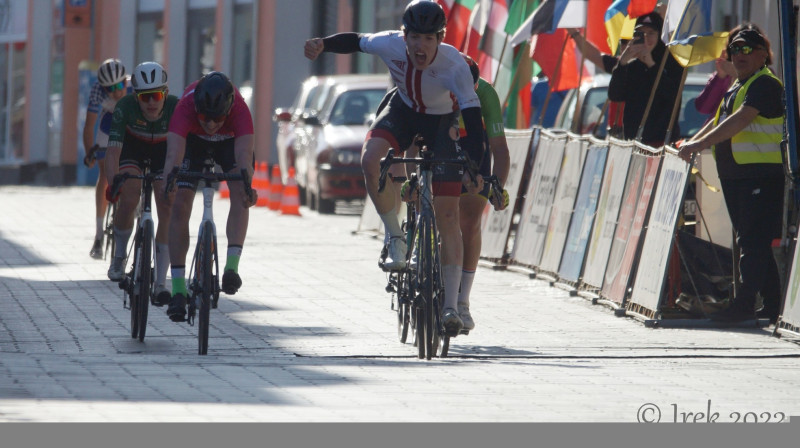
x=638 y=37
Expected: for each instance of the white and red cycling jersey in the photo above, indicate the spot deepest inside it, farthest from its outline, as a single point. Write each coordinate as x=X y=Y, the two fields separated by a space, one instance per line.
x=184 y=119
x=436 y=90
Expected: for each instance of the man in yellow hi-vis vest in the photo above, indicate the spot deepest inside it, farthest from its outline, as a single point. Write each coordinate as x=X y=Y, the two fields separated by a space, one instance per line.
x=745 y=137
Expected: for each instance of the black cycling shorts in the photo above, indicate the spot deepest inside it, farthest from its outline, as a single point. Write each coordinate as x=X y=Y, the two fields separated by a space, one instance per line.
x=135 y=152
x=398 y=124
x=198 y=150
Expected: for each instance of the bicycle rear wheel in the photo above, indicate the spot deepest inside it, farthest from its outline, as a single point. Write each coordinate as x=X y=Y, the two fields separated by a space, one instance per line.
x=403 y=301
x=204 y=272
x=144 y=277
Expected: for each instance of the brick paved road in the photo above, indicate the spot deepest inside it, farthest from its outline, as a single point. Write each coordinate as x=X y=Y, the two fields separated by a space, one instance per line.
x=310 y=337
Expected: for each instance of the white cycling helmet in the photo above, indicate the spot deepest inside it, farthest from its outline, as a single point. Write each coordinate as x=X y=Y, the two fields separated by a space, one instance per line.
x=111 y=72
x=149 y=76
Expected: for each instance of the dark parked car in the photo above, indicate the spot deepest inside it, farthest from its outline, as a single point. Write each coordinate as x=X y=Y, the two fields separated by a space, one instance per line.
x=328 y=142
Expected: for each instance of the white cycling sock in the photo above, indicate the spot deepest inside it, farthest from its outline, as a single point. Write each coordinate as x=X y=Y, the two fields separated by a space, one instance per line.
x=121 y=238
x=162 y=263
x=98 y=228
x=391 y=224
x=467 y=277
x=452 y=278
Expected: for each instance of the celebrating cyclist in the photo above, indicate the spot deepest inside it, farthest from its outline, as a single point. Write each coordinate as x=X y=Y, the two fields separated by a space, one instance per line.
x=111 y=85
x=428 y=75
x=139 y=133
x=211 y=119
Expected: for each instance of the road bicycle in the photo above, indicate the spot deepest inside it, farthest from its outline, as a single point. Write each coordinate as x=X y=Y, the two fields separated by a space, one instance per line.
x=204 y=283
x=424 y=263
x=138 y=284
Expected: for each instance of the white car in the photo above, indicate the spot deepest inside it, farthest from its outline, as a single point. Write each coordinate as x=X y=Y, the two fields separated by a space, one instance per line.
x=328 y=142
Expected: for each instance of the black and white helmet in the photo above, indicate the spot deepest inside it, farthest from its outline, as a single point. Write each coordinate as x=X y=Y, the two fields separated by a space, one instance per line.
x=149 y=76
x=111 y=72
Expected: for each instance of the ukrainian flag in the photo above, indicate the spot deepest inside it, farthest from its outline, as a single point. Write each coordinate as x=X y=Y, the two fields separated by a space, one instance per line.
x=618 y=24
x=693 y=42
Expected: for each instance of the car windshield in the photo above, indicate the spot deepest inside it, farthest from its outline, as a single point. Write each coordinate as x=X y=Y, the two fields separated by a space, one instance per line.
x=353 y=107
x=689 y=120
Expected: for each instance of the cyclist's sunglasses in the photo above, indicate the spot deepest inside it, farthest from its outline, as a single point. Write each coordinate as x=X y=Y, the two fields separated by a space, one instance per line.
x=744 y=49
x=145 y=97
x=206 y=118
x=118 y=86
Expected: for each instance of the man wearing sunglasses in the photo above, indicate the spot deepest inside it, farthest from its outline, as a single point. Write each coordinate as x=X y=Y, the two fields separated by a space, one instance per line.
x=211 y=118
x=112 y=84
x=139 y=134
x=745 y=137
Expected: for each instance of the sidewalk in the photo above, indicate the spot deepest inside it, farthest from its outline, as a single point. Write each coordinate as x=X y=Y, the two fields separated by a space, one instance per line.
x=310 y=337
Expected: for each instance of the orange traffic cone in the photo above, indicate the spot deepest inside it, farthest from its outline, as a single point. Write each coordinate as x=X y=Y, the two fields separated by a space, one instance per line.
x=290 y=200
x=275 y=189
x=261 y=184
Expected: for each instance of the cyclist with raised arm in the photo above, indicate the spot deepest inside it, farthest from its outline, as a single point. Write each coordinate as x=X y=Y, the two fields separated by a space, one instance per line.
x=211 y=118
x=111 y=85
x=139 y=133
x=428 y=75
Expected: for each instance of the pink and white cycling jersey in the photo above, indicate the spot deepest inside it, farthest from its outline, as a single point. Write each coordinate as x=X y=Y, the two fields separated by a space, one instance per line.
x=184 y=119
x=430 y=91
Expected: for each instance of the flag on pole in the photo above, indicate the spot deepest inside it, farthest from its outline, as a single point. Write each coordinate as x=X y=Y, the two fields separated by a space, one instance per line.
x=618 y=24
x=493 y=39
x=458 y=14
x=513 y=83
x=595 y=24
x=561 y=68
x=478 y=20
x=688 y=34
x=638 y=8
x=551 y=15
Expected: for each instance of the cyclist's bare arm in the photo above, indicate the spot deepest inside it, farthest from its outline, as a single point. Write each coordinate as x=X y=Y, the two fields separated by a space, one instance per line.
x=112 y=162
x=243 y=151
x=176 y=149
x=88 y=133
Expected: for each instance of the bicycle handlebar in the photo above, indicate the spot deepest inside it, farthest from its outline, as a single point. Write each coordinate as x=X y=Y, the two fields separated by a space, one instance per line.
x=462 y=159
x=242 y=176
x=120 y=179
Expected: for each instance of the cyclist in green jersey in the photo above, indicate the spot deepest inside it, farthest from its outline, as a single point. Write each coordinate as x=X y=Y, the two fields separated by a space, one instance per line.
x=139 y=133
x=471 y=205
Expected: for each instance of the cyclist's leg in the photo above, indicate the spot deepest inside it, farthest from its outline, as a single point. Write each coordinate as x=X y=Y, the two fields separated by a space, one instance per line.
x=447 y=191
x=123 y=219
x=391 y=129
x=238 y=216
x=471 y=207
x=157 y=156
x=100 y=205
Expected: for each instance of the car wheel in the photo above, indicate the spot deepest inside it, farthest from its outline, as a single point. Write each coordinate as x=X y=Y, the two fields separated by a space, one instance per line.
x=302 y=193
x=326 y=206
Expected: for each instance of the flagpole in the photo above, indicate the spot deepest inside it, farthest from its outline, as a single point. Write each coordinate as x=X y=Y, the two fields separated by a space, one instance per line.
x=652 y=96
x=553 y=81
x=576 y=112
x=500 y=61
x=677 y=107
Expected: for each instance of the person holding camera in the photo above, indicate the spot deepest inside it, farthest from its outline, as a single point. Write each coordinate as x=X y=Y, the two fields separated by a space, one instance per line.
x=635 y=76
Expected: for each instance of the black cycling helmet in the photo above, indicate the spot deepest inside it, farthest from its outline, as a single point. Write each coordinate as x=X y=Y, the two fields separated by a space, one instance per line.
x=424 y=17
x=473 y=68
x=213 y=95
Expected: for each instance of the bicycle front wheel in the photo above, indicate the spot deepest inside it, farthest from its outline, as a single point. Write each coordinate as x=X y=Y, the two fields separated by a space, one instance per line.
x=426 y=280
x=204 y=272
x=108 y=231
x=144 y=277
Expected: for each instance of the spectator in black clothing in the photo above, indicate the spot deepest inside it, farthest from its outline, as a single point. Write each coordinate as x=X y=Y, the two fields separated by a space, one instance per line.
x=633 y=79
